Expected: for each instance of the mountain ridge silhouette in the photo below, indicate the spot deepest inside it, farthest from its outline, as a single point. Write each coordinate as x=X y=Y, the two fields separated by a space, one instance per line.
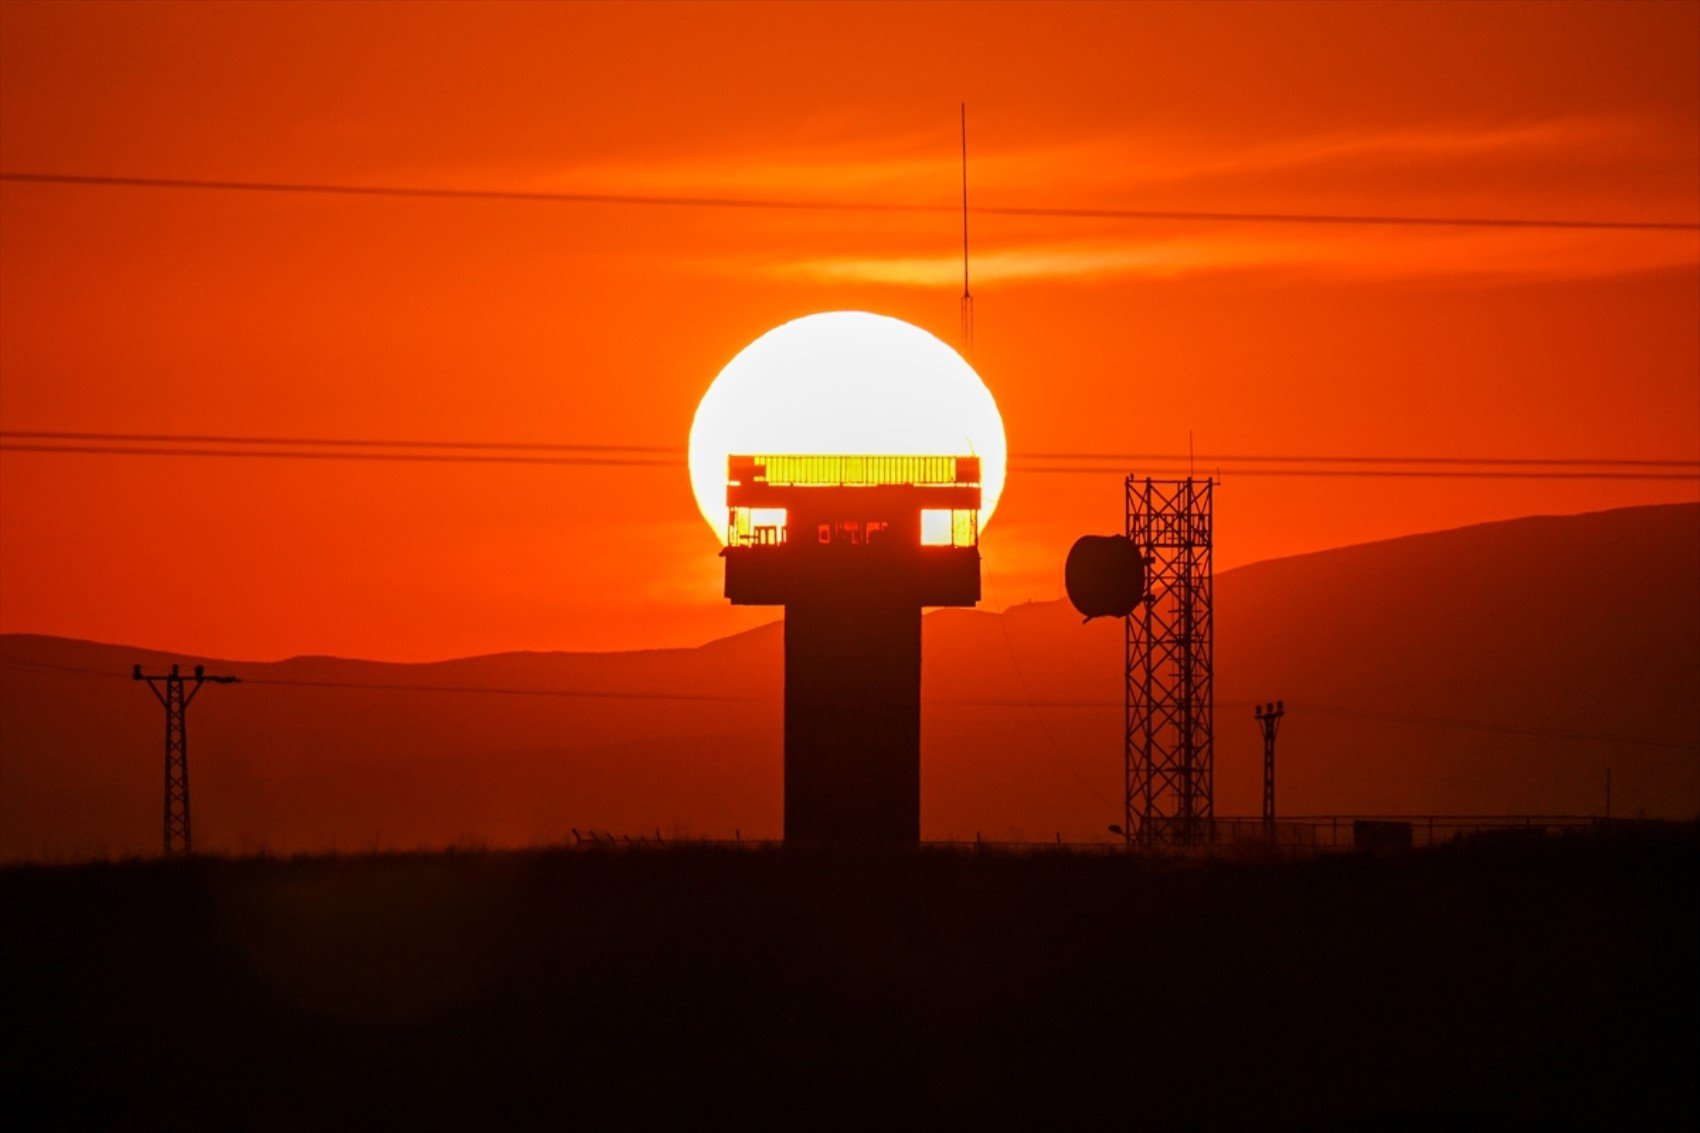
x=1472 y=670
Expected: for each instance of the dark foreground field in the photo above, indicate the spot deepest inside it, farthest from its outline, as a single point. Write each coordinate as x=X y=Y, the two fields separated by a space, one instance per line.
x=1511 y=982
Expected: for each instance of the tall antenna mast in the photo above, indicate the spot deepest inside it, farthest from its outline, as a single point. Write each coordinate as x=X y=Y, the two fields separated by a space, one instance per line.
x=967 y=295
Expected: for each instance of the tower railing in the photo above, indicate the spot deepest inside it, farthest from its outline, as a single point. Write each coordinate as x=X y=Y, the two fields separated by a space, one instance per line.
x=853 y=470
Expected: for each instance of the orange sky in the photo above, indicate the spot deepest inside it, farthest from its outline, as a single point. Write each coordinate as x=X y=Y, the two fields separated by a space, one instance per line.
x=175 y=311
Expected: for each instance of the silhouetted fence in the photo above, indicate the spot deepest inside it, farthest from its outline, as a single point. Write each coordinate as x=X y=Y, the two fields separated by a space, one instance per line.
x=1394 y=832
x=1298 y=836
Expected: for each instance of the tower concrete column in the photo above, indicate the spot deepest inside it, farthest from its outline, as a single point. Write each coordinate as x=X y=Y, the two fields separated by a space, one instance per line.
x=853 y=721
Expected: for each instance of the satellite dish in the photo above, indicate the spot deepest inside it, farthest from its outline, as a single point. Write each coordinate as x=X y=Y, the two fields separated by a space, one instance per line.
x=1105 y=576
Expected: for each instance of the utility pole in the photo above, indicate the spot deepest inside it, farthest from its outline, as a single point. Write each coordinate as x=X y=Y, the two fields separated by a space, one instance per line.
x=179 y=838
x=1269 y=719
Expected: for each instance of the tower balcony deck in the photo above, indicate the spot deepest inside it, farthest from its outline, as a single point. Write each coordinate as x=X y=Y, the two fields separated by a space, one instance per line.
x=781 y=573
x=847 y=528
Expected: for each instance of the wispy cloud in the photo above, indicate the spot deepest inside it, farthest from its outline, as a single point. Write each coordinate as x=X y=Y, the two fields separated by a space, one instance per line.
x=1169 y=160
x=1380 y=256
x=1566 y=168
x=924 y=168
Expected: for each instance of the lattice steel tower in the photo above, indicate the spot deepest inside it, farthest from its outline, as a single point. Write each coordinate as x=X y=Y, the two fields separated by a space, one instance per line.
x=1169 y=755
x=179 y=835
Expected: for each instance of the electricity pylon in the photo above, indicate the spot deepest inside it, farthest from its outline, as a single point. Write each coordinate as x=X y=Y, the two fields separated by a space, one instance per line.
x=179 y=837
x=1269 y=719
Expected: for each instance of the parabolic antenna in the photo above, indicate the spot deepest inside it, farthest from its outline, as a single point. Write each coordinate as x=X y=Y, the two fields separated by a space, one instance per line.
x=1105 y=576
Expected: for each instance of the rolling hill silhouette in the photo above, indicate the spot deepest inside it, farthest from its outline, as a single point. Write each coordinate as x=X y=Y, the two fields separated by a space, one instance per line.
x=1494 y=669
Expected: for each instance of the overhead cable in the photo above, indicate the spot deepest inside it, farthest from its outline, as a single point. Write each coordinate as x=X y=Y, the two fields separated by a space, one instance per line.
x=797 y=205
x=945 y=702
x=657 y=456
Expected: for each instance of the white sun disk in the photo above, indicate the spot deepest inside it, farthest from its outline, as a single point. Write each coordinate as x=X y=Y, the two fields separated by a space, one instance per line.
x=845 y=382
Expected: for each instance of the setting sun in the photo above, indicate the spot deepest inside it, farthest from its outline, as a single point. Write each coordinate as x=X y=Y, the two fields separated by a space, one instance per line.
x=844 y=382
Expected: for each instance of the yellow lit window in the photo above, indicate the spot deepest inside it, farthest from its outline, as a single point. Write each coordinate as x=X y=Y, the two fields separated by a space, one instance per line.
x=964 y=528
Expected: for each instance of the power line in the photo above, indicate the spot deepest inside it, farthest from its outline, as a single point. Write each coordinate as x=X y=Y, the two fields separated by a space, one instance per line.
x=1508 y=729
x=967 y=702
x=374 y=686
x=1351 y=219
x=794 y=205
x=638 y=462
x=1033 y=705
x=1361 y=473
x=400 y=457
x=341 y=442
x=655 y=456
x=674 y=450
x=507 y=690
x=1226 y=458
x=571 y=694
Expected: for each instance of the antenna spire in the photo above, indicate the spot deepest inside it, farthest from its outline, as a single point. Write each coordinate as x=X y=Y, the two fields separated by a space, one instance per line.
x=967 y=295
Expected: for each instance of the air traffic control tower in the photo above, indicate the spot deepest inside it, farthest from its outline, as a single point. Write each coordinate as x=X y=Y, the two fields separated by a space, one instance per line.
x=853 y=547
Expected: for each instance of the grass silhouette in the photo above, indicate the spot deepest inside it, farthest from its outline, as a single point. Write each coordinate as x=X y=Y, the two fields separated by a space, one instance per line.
x=1546 y=981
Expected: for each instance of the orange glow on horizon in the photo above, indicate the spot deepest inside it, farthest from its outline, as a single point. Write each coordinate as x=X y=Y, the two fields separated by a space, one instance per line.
x=149 y=311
